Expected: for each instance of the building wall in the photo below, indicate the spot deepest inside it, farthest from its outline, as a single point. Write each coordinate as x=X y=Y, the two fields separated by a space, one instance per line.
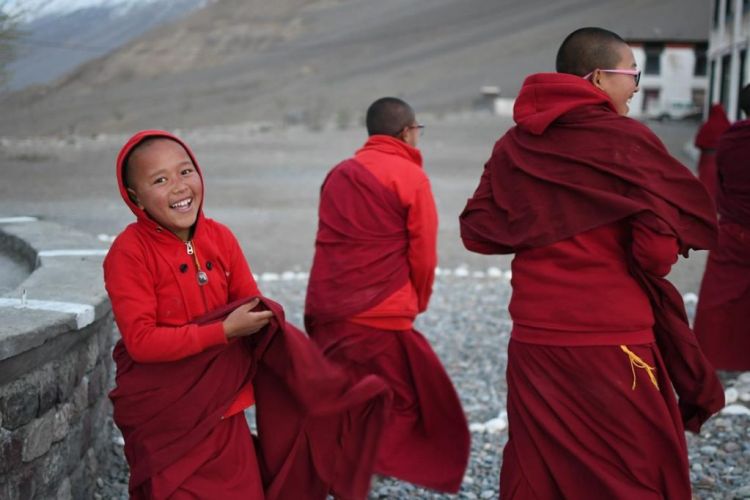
x=728 y=53
x=675 y=82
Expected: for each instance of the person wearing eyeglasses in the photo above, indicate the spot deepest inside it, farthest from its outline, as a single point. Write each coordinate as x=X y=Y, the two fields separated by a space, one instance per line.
x=595 y=210
x=721 y=320
x=372 y=273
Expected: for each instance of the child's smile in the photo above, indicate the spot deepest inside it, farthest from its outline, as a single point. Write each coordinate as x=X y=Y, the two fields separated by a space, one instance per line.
x=167 y=185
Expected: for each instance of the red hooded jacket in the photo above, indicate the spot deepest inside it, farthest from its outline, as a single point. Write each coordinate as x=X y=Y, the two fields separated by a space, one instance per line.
x=151 y=281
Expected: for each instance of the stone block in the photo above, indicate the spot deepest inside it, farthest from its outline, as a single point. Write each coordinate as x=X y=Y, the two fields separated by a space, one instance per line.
x=47 y=387
x=37 y=437
x=11 y=448
x=51 y=469
x=92 y=351
x=80 y=398
x=82 y=481
x=73 y=448
x=19 y=403
x=64 y=492
x=97 y=383
x=66 y=378
x=61 y=424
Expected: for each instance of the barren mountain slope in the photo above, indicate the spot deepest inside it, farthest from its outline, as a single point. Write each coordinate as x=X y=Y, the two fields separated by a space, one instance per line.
x=316 y=60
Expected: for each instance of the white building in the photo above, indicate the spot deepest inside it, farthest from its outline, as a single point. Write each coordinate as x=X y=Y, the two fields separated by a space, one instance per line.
x=728 y=54
x=673 y=77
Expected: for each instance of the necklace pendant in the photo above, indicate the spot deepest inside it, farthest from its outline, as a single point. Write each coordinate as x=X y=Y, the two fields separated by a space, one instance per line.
x=202 y=278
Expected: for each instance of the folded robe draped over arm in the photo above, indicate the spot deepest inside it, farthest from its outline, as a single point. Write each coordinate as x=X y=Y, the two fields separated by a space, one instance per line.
x=318 y=429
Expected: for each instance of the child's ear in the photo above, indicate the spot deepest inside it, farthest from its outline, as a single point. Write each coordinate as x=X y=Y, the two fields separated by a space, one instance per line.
x=133 y=197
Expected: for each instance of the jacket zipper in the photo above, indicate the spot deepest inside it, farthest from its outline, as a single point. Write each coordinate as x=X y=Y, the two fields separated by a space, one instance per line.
x=200 y=275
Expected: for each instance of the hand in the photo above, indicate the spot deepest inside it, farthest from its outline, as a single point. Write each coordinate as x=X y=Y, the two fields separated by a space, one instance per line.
x=243 y=322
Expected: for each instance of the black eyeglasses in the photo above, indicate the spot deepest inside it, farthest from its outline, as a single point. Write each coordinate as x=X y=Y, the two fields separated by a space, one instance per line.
x=635 y=73
x=419 y=126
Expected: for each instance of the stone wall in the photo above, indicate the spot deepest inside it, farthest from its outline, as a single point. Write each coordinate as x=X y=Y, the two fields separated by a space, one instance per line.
x=55 y=365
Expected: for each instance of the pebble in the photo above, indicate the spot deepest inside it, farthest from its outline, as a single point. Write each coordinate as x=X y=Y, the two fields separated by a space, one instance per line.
x=469 y=328
x=731 y=395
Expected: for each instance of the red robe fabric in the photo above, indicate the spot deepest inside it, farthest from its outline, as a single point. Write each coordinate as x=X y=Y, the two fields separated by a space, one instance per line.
x=721 y=320
x=706 y=140
x=318 y=430
x=571 y=165
x=360 y=259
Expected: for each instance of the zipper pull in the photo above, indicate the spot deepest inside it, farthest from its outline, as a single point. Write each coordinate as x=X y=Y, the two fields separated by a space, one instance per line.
x=189 y=245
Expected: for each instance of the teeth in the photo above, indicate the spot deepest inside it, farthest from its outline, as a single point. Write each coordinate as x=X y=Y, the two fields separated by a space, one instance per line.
x=182 y=204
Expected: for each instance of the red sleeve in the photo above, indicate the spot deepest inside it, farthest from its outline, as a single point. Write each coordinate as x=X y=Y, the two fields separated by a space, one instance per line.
x=654 y=252
x=422 y=226
x=241 y=281
x=134 y=305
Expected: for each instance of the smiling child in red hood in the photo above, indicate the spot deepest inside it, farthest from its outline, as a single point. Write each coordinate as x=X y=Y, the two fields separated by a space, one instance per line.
x=167 y=268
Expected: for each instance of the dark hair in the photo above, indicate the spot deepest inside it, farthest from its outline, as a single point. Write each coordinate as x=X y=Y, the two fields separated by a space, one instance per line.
x=141 y=145
x=744 y=101
x=587 y=49
x=388 y=116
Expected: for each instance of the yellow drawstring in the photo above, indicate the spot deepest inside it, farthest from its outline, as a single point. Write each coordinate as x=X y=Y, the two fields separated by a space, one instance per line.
x=637 y=362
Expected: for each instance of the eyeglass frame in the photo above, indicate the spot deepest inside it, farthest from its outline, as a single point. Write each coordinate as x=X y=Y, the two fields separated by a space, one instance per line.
x=417 y=126
x=635 y=73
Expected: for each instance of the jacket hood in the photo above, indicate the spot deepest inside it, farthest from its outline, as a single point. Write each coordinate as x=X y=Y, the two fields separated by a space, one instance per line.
x=392 y=145
x=545 y=97
x=136 y=139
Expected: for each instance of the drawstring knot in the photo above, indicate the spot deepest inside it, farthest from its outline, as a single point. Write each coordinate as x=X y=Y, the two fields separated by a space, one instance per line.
x=637 y=362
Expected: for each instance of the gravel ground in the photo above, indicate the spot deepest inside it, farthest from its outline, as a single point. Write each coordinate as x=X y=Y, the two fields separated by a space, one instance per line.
x=469 y=328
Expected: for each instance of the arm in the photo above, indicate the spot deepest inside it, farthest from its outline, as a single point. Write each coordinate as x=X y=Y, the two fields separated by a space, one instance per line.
x=422 y=226
x=654 y=252
x=134 y=304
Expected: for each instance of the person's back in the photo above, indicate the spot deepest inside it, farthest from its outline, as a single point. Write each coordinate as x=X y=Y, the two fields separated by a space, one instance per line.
x=372 y=273
x=706 y=140
x=721 y=317
x=593 y=207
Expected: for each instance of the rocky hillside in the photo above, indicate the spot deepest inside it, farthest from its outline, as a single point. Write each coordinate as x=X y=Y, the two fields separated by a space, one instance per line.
x=322 y=60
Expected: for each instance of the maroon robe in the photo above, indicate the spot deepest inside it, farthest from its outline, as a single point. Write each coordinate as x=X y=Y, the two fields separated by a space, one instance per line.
x=360 y=260
x=572 y=164
x=722 y=321
x=706 y=140
x=318 y=429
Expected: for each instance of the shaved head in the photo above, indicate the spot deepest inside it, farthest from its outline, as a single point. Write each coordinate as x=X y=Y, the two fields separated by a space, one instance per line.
x=587 y=49
x=389 y=116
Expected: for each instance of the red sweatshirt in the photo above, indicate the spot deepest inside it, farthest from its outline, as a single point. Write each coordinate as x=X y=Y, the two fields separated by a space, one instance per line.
x=151 y=281
x=398 y=166
x=579 y=291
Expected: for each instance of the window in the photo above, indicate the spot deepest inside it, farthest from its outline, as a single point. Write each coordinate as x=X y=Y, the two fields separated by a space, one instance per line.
x=650 y=99
x=698 y=96
x=701 y=61
x=743 y=58
x=653 y=58
x=724 y=80
x=716 y=13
